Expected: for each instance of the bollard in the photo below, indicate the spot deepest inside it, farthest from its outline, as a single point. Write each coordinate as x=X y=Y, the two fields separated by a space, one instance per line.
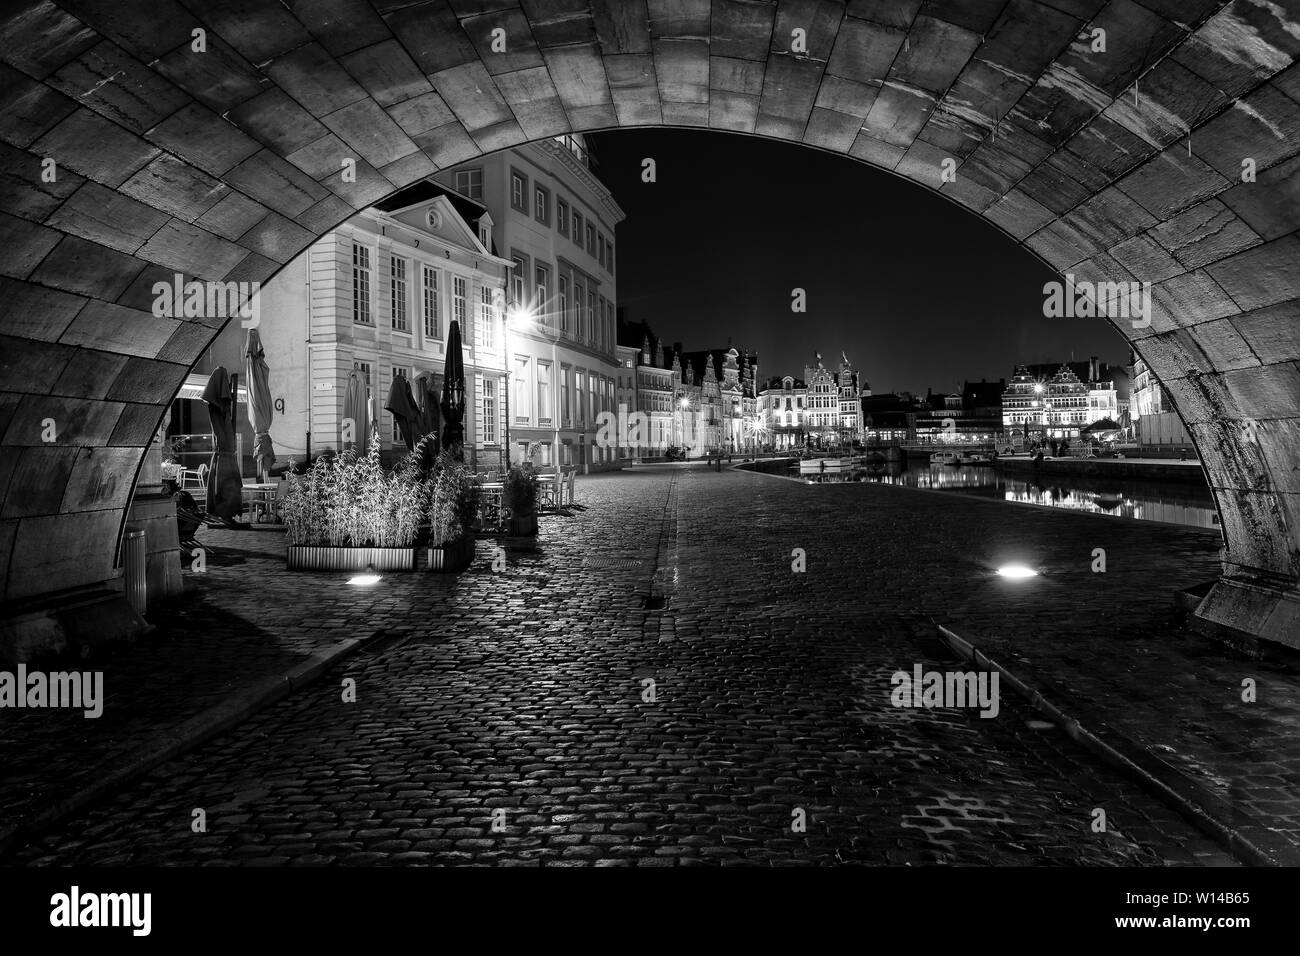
x=134 y=561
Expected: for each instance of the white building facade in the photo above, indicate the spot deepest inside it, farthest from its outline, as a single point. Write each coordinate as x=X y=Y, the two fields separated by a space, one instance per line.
x=378 y=294
x=554 y=222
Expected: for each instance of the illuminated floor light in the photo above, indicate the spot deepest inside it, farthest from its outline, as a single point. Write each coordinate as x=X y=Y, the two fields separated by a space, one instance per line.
x=1016 y=571
x=365 y=579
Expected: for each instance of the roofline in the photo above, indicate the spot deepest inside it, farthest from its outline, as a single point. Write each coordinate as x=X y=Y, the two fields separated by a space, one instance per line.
x=589 y=179
x=380 y=216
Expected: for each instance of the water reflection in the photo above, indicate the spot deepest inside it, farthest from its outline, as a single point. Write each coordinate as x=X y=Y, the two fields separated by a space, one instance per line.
x=1145 y=500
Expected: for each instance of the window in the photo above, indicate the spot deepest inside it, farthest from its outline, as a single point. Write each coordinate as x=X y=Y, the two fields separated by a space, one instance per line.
x=599 y=335
x=431 y=324
x=542 y=274
x=487 y=315
x=577 y=310
x=398 y=294
x=600 y=244
x=521 y=395
x=519 y=279
x=591 y=239
x=577 y=398
x=591 y=315
x=458 y=301
x=519 y=191
x=360 y=284
x=609 y=258
x=564 y=303
x=577 y=228
x=543 y=393
x=542 y=205
x=565 y=413
x=562 y=217
x=469 y=182
x=489 y=411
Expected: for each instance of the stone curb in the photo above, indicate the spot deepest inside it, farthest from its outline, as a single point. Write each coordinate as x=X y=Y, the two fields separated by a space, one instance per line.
x=178 y=739
x=1240 y=833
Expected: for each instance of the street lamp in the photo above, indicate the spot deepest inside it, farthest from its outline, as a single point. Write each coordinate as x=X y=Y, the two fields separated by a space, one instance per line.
x=685 y=403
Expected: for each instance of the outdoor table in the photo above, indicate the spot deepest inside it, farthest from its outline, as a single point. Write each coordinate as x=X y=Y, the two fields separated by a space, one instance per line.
x=548 y=489
x=260 y=497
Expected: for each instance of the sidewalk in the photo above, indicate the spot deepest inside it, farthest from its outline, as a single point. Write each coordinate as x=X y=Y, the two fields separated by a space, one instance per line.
x=230 y=643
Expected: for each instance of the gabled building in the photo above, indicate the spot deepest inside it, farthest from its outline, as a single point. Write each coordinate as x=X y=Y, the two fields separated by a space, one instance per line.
x=1038 y=406
x=782 y=406
x=376 y=294
x=555 y=222
x=1152 y=417
x=730 y=373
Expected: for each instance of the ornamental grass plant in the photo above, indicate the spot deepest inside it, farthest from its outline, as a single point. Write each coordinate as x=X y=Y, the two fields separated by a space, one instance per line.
x=453 y=500
x=351 y=501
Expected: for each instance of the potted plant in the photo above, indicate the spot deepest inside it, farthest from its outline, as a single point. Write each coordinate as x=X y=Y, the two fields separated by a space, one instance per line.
x=346 y=513
x=453 y=506
x=519 y=493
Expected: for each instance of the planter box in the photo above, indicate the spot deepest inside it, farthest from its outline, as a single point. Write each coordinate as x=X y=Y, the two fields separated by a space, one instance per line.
x=322 y=558
x=451 y=557
x=523 y=526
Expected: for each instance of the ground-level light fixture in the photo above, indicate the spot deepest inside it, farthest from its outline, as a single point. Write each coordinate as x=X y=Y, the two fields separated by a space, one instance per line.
x=365 y=578
x=1016 y=572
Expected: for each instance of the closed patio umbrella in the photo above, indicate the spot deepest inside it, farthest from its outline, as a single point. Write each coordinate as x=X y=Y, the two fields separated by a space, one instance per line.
x=402 y=404
x=260 y=411
x=453 y=396
x=356 y=409
x=225 y=484
x=427 y=392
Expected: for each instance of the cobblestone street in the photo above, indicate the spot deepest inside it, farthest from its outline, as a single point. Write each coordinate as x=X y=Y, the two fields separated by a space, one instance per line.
x=505 y=717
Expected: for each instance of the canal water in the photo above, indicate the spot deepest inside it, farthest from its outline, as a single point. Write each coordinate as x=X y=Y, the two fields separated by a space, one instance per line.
x=1184 y=504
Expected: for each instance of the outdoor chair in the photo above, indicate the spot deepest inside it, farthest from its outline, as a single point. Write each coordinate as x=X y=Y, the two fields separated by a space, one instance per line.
x=550 y=493
x=567 y=492
x=199 y=477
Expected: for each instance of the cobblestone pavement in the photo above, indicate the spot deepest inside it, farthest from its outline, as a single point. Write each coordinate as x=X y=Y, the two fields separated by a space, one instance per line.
x=506 y=718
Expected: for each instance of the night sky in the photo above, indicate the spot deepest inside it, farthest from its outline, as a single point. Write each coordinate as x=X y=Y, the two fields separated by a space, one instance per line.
x=918 y=291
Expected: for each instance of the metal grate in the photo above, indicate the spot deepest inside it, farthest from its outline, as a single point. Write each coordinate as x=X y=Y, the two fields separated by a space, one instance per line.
x=611 y=563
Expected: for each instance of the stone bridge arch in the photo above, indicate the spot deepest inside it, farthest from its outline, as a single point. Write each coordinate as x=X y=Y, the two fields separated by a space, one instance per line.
x=1115 y=164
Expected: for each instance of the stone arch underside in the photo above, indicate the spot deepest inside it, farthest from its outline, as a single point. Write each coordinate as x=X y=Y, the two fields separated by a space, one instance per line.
x=224 y=164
